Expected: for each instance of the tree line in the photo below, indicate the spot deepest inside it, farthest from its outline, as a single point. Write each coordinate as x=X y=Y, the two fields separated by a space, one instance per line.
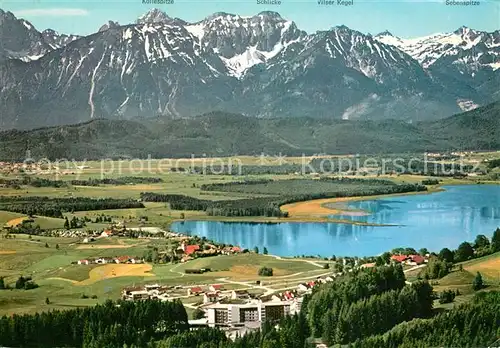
x=125 y=180
x=113 y=324
x=43 y=182
x=55 y=207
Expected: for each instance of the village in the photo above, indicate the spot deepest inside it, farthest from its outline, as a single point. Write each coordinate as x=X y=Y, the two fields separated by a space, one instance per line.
x=238 y=311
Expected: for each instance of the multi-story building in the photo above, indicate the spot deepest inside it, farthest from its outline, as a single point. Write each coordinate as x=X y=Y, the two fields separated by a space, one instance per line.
x=241 y=314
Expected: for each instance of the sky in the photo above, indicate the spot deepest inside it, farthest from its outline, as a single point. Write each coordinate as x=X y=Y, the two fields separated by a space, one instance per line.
x=403 y=18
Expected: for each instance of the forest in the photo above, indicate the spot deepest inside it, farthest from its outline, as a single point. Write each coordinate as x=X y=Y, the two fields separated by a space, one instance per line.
x=474 y=324
x=55 y=207
x=239 y=207
x=280 y=192
x=113 y=324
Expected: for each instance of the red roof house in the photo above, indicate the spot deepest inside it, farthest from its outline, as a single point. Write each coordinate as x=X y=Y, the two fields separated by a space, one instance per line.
x=195 y=291
x=399 y=258
x=236 y=249
x=122 y=259
x=418 y=259
x=190 y=249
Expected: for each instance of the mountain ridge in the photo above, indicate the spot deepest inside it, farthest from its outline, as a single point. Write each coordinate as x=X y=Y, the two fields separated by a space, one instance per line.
x=225 y=134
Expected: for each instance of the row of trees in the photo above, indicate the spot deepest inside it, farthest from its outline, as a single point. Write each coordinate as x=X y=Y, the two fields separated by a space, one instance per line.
x=124 y=180
x=55 y=207
x=32 y=181
x=43 y=182
x=109 y=325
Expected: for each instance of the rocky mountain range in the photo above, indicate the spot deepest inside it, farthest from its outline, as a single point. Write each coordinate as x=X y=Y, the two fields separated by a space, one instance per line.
x=262 y=66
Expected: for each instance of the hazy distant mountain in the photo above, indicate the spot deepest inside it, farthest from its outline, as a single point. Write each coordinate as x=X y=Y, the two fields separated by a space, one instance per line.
x=261 y=66
x=218 y=134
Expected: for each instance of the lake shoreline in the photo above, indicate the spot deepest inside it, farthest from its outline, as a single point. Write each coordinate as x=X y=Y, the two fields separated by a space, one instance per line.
x=275 y=220
x=320 y=208
x=323 y=216
x=323 y=212
x=410 y=220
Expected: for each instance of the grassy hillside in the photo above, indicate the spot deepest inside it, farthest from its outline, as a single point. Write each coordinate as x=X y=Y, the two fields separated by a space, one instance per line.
x=219 y=134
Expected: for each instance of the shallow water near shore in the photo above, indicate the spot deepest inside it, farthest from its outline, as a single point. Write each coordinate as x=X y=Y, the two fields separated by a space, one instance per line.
x=434 y=221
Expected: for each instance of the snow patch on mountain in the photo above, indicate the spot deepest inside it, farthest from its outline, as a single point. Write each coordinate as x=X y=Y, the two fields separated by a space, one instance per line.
x=429 y=49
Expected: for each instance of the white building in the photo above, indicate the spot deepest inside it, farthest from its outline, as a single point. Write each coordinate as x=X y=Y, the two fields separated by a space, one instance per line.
x=252 y=312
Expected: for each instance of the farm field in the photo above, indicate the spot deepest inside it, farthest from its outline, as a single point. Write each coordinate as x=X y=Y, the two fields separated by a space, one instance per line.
x=462 y=280
x=488 y=266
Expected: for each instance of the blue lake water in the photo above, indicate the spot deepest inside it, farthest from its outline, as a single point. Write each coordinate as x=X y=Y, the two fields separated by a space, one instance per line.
x=433 y=221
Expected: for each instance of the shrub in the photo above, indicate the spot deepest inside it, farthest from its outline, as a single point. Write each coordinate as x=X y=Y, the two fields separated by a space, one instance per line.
x=446 y=296
x=266 y=272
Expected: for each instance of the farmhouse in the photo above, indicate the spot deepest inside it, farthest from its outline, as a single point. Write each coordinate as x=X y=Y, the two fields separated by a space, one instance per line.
x=195 y=291
x=368 y=265
x=139 y=295
x=415 y=260
x=216 y=287
x=306 y=287
x=122 y=259
x=107 y=233
x=399 y=258
x=83 y=262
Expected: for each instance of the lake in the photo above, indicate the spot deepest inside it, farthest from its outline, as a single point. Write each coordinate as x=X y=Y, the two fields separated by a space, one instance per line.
x=433 y=221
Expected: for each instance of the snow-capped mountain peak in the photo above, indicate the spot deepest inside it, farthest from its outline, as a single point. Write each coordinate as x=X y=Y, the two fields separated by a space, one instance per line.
x=465 y=44
x=154 y=16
